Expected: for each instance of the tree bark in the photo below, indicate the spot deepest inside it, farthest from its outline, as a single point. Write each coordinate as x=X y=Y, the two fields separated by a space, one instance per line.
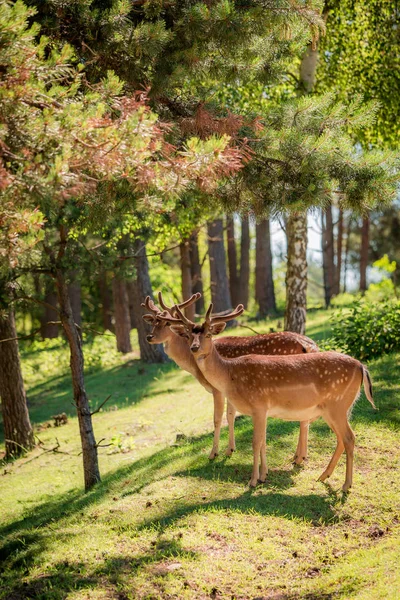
x=220 y=294
x=195 y=266
x=47 y=330
x=121 y=315
x=89 y=447
x=364 y=253
x=339 y=252
x=296 y=274
x=17 y=426
x=141 y=286
x=244 y=276
x=105 y=299
x=265 y=293
x=75 y=297
x=186 y=274
x=347 y=252
x=232 y=261
x=328 y=251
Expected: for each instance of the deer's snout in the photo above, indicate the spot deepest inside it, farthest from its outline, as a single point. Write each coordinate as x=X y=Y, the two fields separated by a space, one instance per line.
x=149 y=337
x=194 y=347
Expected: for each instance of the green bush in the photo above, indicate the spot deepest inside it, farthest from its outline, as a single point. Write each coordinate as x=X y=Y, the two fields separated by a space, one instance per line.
x=366 y=330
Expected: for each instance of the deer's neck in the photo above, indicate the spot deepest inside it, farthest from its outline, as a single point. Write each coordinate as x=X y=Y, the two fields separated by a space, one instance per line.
x=177 y=348
x=215 y=369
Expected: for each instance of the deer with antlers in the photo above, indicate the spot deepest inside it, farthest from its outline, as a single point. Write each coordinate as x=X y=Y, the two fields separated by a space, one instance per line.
x=286 y=343
x=298 y=387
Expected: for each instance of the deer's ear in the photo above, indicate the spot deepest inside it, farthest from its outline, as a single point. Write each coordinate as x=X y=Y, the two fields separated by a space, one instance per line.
x=148 y=318
x=217 y=328
x=179 y=330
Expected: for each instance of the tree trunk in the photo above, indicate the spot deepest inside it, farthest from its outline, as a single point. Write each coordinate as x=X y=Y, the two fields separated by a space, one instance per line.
x=130 y=288
x=105 y=299
x=265 y=293
x=339 y=252
x=328 y=260
x=195 y=266
x=364 y=253
x=346 y=253
x=186 y=273
x=220 y=294
x=141 y=286
x=47 y=330
x=121 y=315
x=89 y=448
x=18 y=432
x=296 y=274
x=75 y=298
x=232 y=261
x=244 y=276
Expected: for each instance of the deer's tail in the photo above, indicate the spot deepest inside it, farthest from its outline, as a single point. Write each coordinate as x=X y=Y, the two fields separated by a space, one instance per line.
x=368 y=385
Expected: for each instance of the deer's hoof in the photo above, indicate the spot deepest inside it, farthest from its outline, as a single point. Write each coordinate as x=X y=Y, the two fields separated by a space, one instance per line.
x=229 y=451
x=213 y=455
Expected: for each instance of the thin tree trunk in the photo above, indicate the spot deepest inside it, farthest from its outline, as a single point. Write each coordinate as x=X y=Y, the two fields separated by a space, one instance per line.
x=105 y=299
x=89 y=447
x=186 y=274
x=141 y=286
x=121 y=315
x=244 y=276
x=130 y=288
x=48 y=330
x=364 y=253
x=17 y=426
x=328 y=261
x=195 y=266
x=232 y=261
x=346 y=253
x=265 y=293
x=75 y=297
x=220 y=294
x=296 y=274
x=339 y=252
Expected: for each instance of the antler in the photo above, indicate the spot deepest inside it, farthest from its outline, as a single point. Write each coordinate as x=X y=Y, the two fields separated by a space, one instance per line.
x=149 y=304
x=223 y=318
x=182 y=305
x=182 y=318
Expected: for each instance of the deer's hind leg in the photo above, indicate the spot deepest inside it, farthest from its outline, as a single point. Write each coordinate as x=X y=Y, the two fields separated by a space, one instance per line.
x=259 y=445
x=345 y=441
x=302 y=444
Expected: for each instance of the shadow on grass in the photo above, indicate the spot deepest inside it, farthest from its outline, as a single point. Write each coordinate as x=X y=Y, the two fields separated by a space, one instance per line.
x=127 y=384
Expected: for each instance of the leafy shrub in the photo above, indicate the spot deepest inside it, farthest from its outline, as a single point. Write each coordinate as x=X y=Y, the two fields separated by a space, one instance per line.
x=367 y=330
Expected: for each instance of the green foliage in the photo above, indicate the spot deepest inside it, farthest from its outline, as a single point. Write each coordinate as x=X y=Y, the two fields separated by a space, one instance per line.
x=303 y=153
x=163 y=44
x=359 y=55
x=367 y=330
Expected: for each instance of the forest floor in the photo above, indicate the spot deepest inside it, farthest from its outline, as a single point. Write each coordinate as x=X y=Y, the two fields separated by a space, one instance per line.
x=165 y=522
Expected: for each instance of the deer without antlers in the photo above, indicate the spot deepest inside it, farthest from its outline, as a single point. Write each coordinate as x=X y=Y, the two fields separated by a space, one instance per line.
x=294 y=388
x=178 y=349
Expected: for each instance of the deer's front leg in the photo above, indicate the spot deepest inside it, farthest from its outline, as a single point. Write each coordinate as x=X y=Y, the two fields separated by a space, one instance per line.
x=302 y=445
x=259 y=445
x=230 y=417
x=218 y=413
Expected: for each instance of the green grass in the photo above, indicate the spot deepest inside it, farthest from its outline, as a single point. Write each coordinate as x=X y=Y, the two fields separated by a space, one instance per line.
x=167 y=523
